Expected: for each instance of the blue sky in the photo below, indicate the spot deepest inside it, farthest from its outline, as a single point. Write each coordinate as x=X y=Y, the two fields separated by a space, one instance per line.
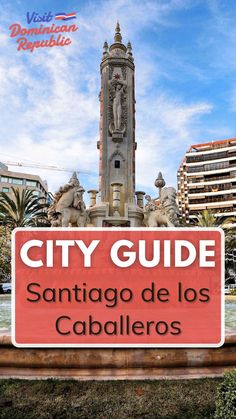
x=185 y=59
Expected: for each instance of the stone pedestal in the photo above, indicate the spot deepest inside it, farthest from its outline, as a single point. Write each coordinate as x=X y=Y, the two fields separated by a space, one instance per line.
x=98 y=213
x=117 y=137
x=100 y=217
x=93 y=197
x=140 y=196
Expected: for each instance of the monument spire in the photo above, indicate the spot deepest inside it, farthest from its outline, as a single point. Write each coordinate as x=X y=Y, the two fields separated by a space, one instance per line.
x=117 y=37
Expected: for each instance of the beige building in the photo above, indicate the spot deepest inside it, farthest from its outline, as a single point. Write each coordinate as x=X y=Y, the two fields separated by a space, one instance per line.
x=207 y=179
x=9 y=178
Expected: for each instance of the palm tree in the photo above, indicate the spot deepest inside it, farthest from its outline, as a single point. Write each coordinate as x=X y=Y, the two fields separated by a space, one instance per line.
x=207 y=219
x=5 y=254
x=230 y=254
x=25 y=209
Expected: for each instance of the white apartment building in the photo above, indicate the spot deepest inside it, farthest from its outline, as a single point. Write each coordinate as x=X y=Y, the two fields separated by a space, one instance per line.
x=207 y=179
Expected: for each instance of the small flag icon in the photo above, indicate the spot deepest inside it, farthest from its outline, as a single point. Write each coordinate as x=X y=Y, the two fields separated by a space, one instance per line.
x=65 y=16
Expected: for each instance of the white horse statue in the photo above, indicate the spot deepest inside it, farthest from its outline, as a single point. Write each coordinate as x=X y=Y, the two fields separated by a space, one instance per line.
x=68 y=207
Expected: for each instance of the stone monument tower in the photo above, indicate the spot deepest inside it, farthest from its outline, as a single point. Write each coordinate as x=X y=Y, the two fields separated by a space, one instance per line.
x=118 y=204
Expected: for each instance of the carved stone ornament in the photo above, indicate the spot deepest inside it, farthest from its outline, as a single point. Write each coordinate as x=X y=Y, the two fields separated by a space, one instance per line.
x=163 y=213
x=68 y=207
x=112 y=69
x=117 y=52
x=117 y=106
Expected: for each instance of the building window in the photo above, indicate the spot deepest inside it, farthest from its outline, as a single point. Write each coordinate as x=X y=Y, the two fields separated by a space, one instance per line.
x=117 y=164
x=4 y=179
x=17 y=181
x=31 y=183
x=5 y=190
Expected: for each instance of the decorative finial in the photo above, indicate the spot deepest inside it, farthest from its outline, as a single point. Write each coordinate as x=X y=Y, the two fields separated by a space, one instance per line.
x=129 y=50
x=105 y=48
x=117 y=37
x=74 y=180
x=160 y=183
x=117 y=26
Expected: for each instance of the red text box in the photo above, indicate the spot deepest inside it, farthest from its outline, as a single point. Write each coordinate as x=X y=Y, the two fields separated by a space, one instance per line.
x=118 y=287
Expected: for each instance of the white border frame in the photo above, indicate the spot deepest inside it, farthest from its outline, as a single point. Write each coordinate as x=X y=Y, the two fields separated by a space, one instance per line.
x=124 y=345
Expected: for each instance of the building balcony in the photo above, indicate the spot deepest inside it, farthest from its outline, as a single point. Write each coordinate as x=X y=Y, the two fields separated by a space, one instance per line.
x=217 y=191
x=223 y=213
x=210 y=178
x=211 y=151
x=215 y=179
x=212 y=198
x=205 y=172
x=206 y=204
x=211 y=161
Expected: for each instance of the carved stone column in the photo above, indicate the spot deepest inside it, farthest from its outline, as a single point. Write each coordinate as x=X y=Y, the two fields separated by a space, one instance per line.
x=140 y=195
x=116 y=197
x=93 y=197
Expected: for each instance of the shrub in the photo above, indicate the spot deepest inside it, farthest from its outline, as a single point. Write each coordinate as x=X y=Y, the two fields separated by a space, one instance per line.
x=233 y=291
x=226 y=397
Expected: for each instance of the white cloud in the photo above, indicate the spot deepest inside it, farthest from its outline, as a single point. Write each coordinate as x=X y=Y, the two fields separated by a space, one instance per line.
x=166 y=129
x=49 y=99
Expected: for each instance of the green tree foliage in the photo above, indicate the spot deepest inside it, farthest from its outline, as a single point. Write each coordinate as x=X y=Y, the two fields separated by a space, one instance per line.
x=230 y=252
x=5 y=254
x=23 y=210
x=226 y=397
x=207 y=219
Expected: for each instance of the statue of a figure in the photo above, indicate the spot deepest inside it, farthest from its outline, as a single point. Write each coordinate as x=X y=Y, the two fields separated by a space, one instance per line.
x=166 y=213
x=117 y=110
x=117 y=89
x=68 y=207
